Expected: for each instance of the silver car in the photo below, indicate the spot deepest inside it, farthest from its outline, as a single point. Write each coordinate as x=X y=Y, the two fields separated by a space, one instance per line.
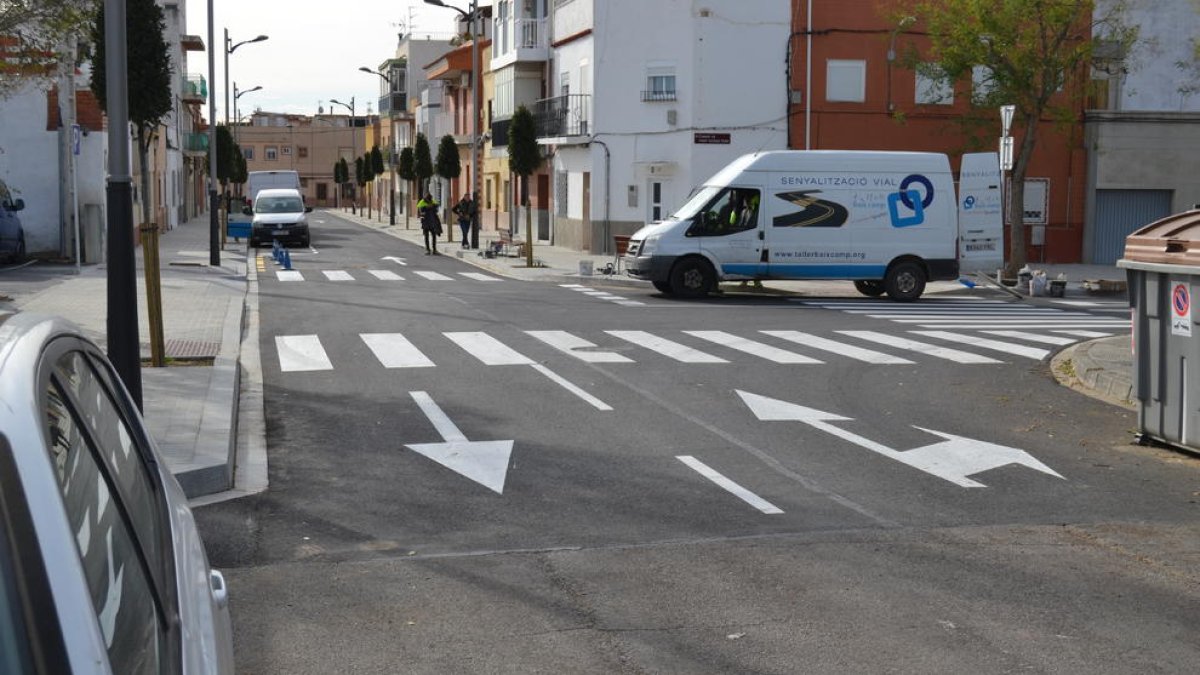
x=101 y=567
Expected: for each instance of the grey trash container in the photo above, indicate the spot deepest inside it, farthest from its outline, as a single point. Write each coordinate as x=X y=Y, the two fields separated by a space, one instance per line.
x=1162 y=261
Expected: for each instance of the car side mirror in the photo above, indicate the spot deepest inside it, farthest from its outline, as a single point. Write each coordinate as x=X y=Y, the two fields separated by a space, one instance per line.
x=248 y=211
x=308 y=209
x=18 y=205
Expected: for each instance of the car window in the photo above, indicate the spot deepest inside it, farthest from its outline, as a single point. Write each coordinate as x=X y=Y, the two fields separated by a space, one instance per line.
x=124 y=599
x=279 y=205
x=15 y=655
x=731 y=211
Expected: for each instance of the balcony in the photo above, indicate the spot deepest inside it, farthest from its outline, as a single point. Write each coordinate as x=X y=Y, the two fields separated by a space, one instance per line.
x=195 y=144
x=519 y=40
x=194 y=89
x=562 y=116
x=393 y=104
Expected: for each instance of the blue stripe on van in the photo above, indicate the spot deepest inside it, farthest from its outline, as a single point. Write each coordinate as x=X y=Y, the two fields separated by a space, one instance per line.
x=811 y=271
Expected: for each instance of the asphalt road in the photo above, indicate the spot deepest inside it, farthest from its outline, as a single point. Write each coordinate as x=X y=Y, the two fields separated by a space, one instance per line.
x=744 y=484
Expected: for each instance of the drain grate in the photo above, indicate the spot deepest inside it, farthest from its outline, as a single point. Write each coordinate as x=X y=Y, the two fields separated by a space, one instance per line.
x=182 y=349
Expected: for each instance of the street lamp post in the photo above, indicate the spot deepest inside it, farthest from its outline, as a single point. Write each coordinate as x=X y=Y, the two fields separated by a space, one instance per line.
x=391 y=151
x=353 y=166
x=229 y=50
x=236 y=95
x=471 y=16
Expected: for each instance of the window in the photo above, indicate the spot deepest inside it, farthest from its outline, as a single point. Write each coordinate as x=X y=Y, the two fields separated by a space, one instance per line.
x=127 y=604
x=302 y=151
x=656 y=198
x=933 y=86
x=270 y=153
x=564 y=83
x=659 y=88
x=982 y=84
x=248 y=152
x=731 y=211
x=286 y=150
x=846 y=81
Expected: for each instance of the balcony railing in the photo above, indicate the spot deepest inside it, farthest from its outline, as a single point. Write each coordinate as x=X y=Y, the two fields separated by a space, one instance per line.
x=195 y=143
x=658 y=95
x=195 y=88
x=562 y=116
x=514 y=34
x=395 y=102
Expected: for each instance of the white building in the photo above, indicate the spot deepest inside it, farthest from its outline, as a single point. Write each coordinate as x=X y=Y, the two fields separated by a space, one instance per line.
x=649 y=98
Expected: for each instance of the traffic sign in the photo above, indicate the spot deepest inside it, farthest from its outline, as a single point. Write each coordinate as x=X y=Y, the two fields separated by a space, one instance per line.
x=1181 y=310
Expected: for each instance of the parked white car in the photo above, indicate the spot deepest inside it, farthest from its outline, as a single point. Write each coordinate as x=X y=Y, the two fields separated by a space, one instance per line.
x=279 y=214
x=102 y=569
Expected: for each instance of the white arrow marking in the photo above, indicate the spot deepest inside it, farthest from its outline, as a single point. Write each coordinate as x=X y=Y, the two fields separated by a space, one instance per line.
x=953 y=459
x=485 y=462
x=398 y=261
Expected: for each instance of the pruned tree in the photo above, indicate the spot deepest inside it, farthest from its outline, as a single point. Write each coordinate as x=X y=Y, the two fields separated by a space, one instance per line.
x=524 y=158
x=407 y=171
x=423 y=162
x=33 y=34
x=149 y=78
x=1032 y=54
x=448 y=167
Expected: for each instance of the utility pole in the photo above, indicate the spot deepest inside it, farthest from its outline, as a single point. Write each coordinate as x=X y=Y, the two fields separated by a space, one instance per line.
x=214 y=206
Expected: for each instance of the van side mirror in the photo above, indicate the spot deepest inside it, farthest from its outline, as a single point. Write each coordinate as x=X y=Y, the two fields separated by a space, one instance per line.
x=16 y=205
x=308 y=209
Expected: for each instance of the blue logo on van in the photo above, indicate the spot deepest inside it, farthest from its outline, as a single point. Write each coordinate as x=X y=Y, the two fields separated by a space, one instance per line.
x=914 y=203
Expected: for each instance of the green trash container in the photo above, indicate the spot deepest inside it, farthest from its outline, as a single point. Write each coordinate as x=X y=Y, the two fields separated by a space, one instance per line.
x=1162 y=262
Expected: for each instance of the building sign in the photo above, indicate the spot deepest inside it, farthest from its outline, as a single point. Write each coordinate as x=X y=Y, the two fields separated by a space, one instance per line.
x=1181 y=310
x=1037 y=201
x=707 y=138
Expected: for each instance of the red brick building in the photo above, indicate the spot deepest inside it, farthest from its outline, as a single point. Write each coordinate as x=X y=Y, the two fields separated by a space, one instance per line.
x=852 y=90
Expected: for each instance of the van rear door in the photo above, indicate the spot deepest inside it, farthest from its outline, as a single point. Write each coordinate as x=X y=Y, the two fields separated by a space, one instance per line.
x=980 y=225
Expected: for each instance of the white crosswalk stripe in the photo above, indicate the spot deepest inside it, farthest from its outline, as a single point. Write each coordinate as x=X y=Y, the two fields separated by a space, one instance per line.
x=432 y=276
x=301 y=353
x=765 y=351
x=979 y=314
x=395 y=351
x=1083 y=333
x=289 y=275
x=488 y=349
x=921 y=347
x=338 y=275
x=386 y=275
x=836 y=347
x=668 y=348
x=603 y=295
x=479 y=276
x=1033 y=337
x=576 y=346
x=1035 y=353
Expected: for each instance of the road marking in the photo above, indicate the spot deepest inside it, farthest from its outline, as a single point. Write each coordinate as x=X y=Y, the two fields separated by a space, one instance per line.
x=488 y=349
x=665 y=347
x=485 y=462
x=952 y=459
x=479 y=276
x=299 y=353
x=1035 y=353
x=398 y=261
x=570 y=286
x=1084 y=333
x=434 y=276
x=630 y=303
x=975 y=325
x=289 y=275
x=573 y=345
x=395 y=351
x=921 y=347
x=737 y=490
x=386 y=275
x=751 y=347
x=337 y=275
x=851 y=351
x=565 y=384
x=1032 y=337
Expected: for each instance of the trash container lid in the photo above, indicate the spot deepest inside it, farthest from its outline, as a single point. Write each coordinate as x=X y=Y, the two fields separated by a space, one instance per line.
x=1173 y=240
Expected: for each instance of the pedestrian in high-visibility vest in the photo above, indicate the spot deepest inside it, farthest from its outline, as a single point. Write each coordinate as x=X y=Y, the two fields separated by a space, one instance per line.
x=431 y=224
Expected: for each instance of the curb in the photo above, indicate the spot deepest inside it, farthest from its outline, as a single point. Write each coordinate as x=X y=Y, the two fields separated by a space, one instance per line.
x=1089 y=379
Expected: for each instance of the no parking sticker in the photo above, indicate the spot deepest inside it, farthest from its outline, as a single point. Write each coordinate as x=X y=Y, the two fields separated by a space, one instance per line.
x=1181 y=310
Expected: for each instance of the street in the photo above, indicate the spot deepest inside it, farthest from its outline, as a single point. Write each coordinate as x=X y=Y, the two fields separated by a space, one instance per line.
x=473 y=473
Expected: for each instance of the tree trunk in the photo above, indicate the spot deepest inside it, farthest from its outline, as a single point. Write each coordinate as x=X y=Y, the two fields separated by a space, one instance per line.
x=1015 y=216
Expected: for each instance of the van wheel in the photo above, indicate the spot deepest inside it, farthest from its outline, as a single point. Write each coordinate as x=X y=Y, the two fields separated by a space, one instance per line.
x=905 y=282
x=869 y=288
x=662 y=286
x=692 y=278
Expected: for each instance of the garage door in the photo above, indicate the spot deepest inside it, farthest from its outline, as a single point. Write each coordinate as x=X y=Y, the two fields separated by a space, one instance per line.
x=1120 y=212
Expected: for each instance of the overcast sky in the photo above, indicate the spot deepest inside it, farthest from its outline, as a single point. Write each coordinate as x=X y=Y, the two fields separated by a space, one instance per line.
x=314 y=49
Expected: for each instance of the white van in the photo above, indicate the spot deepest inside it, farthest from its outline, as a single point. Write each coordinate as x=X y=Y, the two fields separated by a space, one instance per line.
x=889 y=221
x=265 y=180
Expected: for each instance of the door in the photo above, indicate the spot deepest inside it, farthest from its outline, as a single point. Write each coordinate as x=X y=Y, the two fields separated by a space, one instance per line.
x=543 y=207
x=1119 y=213
x=729 y=229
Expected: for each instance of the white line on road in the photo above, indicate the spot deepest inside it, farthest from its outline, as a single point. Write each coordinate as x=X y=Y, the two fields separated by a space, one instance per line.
x=565 y=384
x=301 y=353
x=289 y=275
x=922 y=347
x=1032 y=337
x=434 y=276
x=751 y=347
x=1084 y=333
x=488 y=349
x=395 y=351
x=1035 y=353
x=386 y=275
x=337 y=275
x=737 y=490
x=851 y=351
x=575 y=346
x=479 y=276
x=665 y=347
x=439 y=419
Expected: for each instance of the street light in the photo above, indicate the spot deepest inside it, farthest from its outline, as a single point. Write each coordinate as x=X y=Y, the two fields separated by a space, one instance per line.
x=236 y=95
x=471 y=16
x=353 y=166
x=392 y=186
x=229 y=50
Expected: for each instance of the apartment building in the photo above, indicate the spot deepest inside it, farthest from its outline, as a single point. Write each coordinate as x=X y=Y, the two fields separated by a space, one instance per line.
x=308 y=144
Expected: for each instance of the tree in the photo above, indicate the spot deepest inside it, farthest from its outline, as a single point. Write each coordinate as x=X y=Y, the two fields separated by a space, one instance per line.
x=339 y=176
x=226 y=155
x=524 y=158
x=377 y=167
x=447 y=166
x=1034 y=55
x=37 y=30
x=423 y=163
x=345 y=167
x=149 y=78
x=241 y=174
x=407 y=171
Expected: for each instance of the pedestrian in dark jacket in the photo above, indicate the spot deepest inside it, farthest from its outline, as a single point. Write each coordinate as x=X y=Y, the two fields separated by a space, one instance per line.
x=465 y=210
x=431 y=224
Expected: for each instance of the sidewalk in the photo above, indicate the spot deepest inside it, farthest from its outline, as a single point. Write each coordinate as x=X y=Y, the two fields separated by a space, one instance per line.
x=206 y=415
